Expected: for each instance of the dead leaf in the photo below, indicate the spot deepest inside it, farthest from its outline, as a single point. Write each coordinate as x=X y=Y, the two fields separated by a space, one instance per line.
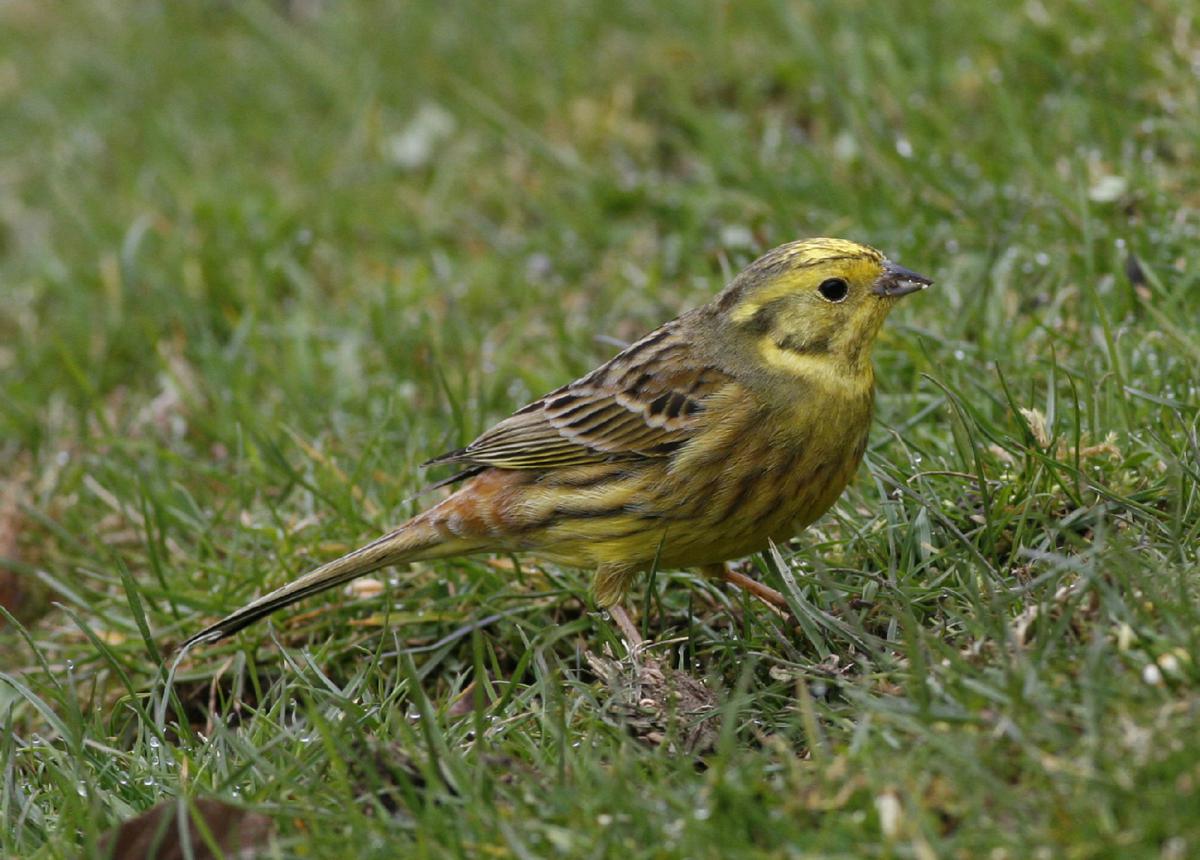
x=1136 y=274
x=1063 y=452
x=659 y=703
x=13 y=587
x=466 y=701
x=1037 y=426
x=156 y=835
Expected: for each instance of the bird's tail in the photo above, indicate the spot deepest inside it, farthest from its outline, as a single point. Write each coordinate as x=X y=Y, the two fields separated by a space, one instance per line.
x=415 y=540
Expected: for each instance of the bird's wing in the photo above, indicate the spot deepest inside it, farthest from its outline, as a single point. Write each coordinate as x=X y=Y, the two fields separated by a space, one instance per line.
x=644 y=403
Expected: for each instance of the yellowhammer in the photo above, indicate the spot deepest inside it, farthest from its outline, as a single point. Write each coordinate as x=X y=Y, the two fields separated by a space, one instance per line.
x=735 y=425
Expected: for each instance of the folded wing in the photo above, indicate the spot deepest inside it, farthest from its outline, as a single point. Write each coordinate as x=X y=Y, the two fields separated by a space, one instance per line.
x=646 y=402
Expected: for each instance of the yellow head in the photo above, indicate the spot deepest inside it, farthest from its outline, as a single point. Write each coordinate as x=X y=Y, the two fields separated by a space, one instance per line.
x=814 y=301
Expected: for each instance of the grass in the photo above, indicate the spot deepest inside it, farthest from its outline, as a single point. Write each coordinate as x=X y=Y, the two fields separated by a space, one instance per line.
x=259 y=261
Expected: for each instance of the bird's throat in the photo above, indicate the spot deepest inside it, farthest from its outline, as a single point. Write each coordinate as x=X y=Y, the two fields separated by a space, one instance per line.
x=827 y=369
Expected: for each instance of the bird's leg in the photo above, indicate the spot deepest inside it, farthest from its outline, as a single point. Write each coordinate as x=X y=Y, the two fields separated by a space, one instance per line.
x=609 y=587
x=763 y=592
x=628 y=629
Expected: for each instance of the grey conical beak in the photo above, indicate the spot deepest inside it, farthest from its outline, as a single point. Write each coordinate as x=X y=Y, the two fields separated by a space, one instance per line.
x=898 y=281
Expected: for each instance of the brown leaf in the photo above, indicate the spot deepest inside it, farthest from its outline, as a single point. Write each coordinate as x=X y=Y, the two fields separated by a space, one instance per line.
x=1136 y=274
x=13 y=587
x=466 y=701
x=657 y=702
x=156 y=835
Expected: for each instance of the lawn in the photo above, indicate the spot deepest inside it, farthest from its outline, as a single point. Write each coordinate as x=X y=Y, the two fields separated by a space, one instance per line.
x=258 y=261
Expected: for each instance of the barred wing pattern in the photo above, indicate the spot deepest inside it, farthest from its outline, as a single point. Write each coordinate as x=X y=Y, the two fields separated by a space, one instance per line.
x=644 y=403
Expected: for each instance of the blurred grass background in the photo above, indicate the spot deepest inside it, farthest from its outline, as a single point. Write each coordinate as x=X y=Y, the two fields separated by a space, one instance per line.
x=258 y=261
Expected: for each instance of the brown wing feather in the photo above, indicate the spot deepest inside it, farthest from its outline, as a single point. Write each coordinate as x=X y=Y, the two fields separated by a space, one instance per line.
x=645 y=402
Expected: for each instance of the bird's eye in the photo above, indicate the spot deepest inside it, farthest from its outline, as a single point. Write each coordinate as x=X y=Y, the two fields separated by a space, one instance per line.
x=833 y=289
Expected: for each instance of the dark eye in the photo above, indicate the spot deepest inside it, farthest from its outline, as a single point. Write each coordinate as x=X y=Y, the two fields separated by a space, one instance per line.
x=833 y=289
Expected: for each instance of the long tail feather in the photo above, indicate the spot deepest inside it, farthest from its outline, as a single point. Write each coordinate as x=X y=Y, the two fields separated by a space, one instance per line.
x=413 y=541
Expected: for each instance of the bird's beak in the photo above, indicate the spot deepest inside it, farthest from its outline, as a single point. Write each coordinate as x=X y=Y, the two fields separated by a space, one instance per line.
x=898 y=281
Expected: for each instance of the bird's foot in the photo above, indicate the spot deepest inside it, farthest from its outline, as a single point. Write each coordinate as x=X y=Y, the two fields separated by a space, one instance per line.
x=763 y=592
x=628 y=629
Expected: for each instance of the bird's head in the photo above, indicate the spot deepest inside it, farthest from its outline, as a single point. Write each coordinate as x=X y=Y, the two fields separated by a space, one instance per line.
x=816 y=300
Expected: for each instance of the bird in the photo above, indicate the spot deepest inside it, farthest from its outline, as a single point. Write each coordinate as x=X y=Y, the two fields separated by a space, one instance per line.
x=727 y=429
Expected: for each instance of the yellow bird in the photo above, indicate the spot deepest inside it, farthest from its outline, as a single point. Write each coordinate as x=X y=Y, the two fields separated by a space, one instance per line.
x=732 y=426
